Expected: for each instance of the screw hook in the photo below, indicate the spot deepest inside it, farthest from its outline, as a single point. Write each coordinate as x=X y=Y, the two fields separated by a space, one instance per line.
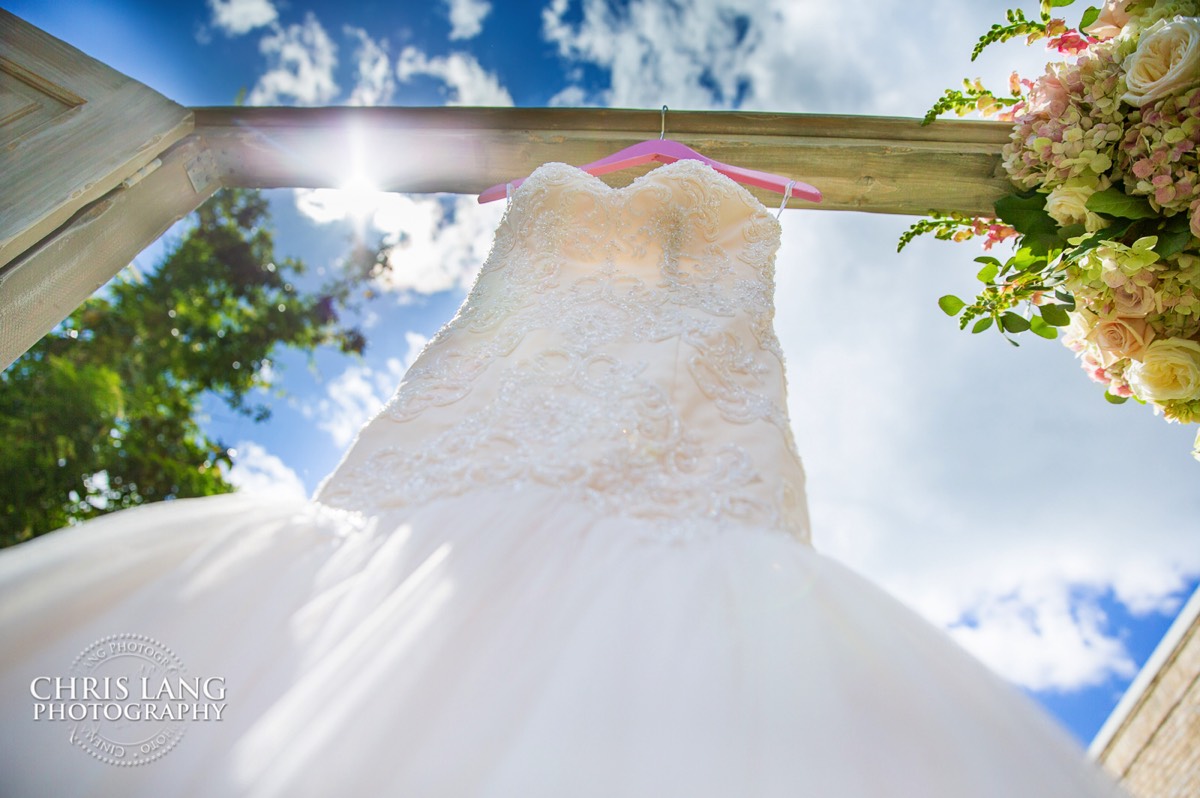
x=662 y=134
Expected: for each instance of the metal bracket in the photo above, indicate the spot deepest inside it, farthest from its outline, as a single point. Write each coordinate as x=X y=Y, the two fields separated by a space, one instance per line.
x=202 y=171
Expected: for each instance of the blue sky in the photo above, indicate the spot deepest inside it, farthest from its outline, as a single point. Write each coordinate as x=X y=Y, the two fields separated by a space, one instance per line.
x=991 y=489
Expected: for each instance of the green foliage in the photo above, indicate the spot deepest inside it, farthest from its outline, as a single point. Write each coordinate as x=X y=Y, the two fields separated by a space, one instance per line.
x=973 y=97
x=1018 y=25
x=944 y=226
x=1115 y=202
x=1023 y=279
x=1038 y=268
x=115 y=390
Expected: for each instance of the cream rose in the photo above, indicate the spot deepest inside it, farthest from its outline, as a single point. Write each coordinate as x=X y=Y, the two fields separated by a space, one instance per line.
x=1170 y=369
x=1076 y=334
x=1111 y=21
x=1120 y=337
x=1067 y=204
x=1167 y=60
x=1135 y=301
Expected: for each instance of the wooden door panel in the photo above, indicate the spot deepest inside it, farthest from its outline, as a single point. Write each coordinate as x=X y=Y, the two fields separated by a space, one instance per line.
x=71 y=130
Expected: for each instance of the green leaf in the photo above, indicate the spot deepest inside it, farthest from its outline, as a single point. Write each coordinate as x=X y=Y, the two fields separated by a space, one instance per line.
x=1026 y=214
x=1115 y=202
x=1091 y=15
x=1039 y=327
x=988 y=273
x=951 y=304
x=1013 y=323
x=1060 y=3
x=1055 y=315
x=1172 y=242
x=982 y=324
x=1025 y=260
x=1116 y=400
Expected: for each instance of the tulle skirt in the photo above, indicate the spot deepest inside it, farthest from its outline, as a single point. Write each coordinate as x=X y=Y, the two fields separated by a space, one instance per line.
x=507 y=643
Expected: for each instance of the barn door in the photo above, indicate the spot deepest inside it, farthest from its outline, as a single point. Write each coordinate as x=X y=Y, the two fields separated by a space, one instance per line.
x=71 y=131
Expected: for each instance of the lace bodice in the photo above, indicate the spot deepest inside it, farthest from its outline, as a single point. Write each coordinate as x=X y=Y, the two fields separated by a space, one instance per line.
x=618 y=345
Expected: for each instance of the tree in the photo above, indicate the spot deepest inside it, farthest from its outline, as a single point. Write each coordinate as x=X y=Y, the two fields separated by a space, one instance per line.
x=101 y=414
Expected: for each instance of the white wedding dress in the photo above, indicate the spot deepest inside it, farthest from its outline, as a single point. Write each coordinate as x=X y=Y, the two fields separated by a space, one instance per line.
x=570 y=557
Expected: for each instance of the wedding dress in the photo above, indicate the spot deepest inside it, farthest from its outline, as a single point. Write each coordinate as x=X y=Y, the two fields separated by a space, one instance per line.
x=569 y=557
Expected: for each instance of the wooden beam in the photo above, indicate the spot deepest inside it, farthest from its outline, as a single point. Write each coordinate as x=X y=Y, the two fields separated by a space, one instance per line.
x=51 y=279
x=876 y=164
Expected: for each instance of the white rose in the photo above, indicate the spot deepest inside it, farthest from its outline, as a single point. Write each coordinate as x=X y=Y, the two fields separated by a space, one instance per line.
x=1067 y=204
x=1167 y=60
x=1170 y=369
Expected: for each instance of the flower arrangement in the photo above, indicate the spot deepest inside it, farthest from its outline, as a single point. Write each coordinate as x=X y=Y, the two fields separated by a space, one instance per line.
x=1105 y=212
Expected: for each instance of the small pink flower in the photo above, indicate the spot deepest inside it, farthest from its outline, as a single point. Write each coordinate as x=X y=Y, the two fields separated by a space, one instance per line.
x=1070 y=43
x=998 y=233
x=1120 y=389
x=1094 y=369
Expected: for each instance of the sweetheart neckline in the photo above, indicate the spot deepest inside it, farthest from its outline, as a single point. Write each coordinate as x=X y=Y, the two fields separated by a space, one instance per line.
x=724 y=180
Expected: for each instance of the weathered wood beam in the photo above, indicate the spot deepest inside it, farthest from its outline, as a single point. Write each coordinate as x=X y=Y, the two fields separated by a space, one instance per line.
x=48 y=281
x=876 y=164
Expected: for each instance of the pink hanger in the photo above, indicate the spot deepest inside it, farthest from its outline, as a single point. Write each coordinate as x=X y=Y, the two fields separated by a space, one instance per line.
x=665 y=150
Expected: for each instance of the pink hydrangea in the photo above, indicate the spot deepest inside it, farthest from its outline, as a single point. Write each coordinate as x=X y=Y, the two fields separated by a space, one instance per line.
x=1158 y=155
x=1071 y=123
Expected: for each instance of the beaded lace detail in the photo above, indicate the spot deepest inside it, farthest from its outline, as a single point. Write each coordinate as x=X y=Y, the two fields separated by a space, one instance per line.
x=618 y=346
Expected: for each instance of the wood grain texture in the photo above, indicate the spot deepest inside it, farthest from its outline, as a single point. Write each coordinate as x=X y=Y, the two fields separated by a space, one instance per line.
x=875 y=164
x=105 y=127
x=48 y=281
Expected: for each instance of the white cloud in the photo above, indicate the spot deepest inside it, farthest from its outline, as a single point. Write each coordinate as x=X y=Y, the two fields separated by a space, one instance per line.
x=258 y=471
x=374 y=82
x=780 y=55
x=357 y=394
x=236 y=17
x=959 y=473
x=468 y=83
x=571 y=97
x=466 y=17
x=684 y=55
x=1044 y=642
x=431 y=249
x=302 y=59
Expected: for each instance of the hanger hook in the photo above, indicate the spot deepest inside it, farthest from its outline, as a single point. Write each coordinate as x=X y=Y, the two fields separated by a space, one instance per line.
x=662 y=134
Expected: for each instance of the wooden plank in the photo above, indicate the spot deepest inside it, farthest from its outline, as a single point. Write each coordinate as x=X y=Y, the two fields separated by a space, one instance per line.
x=875 y=164
x=75 y=129
x=51 y=279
